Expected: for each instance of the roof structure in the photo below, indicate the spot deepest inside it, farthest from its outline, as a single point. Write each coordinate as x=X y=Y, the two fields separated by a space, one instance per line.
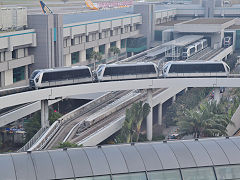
x=208 y=21
x=174 y=159
x=183 y=41
x=96 y=15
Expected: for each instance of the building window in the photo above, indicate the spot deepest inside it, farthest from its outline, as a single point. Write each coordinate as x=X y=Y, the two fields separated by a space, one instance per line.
x=72 y=42
x=100 y=35
x=123 y=43
x=113 y=44
x=111 y=32
x=93 y=36
x=125 y=29
x=87 y=38
x=14 y=54
x=25 y=52
x=18 y=74
x=205 y=173
x=102 y=49
x=75 y=57
x=122 y=31
x=88 y=53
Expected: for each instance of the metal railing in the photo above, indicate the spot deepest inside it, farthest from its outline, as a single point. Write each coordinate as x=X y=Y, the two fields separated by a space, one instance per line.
x=33 y=140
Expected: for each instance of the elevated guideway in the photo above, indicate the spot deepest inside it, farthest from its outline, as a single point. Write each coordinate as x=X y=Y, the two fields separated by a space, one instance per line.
x=64 y=91
x=22 y=111
x=108 y=121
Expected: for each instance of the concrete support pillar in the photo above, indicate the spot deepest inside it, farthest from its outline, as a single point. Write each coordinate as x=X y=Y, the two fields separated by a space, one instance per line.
x=150 y=115
x=44 y=113
x=132 y=53
x=118 y=44
x=83 y=56
x=160 y=114
x=173 y=98
x=217 y=95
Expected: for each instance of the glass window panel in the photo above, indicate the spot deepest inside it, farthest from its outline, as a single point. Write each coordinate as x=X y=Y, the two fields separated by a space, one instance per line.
x=164 y=175
x=198 y=174
x=133 y=176
x=95 y=178
x=228 y=172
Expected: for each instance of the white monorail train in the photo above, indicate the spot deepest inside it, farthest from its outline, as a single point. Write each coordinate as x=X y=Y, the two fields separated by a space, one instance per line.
x=194 y=48
x=60 y=76
x=114 y=72
x=175 y=69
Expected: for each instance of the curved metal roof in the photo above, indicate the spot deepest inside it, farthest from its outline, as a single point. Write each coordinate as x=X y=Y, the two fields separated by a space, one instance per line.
x=116 y=159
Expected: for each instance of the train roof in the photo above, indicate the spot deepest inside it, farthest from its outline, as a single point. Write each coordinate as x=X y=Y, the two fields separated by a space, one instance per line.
x=195 y=62
x=63 y=68
x=130 y=64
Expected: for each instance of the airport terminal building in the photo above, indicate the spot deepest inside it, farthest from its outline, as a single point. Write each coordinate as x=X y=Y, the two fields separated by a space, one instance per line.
x=68 y=39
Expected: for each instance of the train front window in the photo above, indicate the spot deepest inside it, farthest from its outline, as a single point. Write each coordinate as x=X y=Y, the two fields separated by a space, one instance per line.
x=37 y=79
x=165 y=69
x=100 y=71
x=34 y=74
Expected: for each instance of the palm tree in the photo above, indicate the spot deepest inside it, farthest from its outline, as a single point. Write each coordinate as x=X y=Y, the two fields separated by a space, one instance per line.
x=116 y=51
x=132 y=125
x=207 y=121
x=96 y=56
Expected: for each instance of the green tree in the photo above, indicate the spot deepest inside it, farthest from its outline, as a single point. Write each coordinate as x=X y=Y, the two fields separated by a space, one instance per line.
x=206 y=121
x=53 y=116
x=96 y=56
x=116 y=51
x=130 y=131
x=33 y=125
x=67 y=145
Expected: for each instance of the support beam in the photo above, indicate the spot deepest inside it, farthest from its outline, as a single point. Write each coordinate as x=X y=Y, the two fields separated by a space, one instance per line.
x=44 y=113
x=160 y=114
x=150 y=115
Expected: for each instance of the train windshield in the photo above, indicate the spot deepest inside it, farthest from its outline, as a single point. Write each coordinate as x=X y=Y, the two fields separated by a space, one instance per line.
x=34 y=74
x=99 y=70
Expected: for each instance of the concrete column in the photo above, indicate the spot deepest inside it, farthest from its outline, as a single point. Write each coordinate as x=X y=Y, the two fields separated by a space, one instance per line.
x=8 y=77
x=8 y=55
x=160 y=114
x=44 y=113
x=68 y=61
x=83 y=56
x=217 y=95
x=150 y=115
x=107 y=46
x=118 y=44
